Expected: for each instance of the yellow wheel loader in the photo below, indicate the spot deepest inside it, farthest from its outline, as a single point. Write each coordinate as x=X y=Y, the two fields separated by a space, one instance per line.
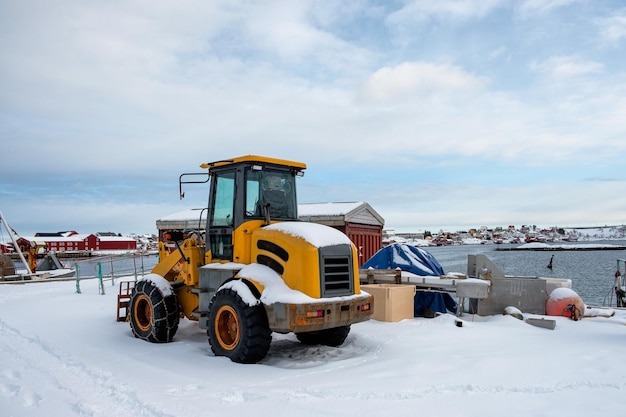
x=252 y=269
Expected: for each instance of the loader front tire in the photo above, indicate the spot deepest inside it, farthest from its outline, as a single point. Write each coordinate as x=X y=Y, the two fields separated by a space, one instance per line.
x=330 y=337
x=153 y=316
x=237 y=330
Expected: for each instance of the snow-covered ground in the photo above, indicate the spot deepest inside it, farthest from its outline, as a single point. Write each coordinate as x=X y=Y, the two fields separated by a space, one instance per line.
x=63 y=354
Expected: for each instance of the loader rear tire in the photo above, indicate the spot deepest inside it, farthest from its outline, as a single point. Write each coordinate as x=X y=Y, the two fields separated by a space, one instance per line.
x=329 y=337
x=237 y=330
x=153 y=316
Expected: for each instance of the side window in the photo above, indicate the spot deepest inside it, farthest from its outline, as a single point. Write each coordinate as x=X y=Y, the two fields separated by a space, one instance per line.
x=224 y=200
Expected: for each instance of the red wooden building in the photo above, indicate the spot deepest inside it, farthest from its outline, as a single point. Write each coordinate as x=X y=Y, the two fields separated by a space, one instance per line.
x=87 y=242
x=5 y=248
x=358 y=220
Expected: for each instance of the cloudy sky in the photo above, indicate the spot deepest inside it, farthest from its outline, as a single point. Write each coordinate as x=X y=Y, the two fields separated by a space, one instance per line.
x=445 y=114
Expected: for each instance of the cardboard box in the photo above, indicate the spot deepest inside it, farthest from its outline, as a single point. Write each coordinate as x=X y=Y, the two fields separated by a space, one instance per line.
x=392 y=302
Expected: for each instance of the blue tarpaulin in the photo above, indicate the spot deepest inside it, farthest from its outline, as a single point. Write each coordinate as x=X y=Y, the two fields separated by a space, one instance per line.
x=426 y=303
x=419 y=262
x=406 y=257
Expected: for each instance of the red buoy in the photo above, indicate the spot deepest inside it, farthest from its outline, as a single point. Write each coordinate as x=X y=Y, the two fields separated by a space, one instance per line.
x=565 y=302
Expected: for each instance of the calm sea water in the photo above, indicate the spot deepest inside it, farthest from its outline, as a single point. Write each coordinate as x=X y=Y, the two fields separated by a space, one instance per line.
x=120 y=265
x=592 y=272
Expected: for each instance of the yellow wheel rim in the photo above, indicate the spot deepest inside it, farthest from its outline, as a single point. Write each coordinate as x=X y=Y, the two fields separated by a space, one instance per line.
x=227 y=327
x=143 y=313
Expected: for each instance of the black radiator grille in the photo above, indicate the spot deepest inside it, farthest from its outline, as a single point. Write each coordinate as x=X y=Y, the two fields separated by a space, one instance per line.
x=336 y=268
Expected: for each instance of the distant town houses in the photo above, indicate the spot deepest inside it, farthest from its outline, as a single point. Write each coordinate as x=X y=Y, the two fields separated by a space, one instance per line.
x=508 y=234
x=72 y=241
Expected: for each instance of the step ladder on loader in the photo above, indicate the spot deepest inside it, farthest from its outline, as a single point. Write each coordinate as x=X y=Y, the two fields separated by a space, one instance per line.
x=123 y=299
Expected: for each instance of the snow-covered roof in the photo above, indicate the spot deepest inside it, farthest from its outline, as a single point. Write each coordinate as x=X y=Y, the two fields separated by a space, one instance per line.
x=337 y=214
x=328 y=209
x=78 y=237
x=189 y=214
x=185 y=219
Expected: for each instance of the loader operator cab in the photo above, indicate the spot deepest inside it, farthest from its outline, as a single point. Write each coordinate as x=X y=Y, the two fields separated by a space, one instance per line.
x=244 y=190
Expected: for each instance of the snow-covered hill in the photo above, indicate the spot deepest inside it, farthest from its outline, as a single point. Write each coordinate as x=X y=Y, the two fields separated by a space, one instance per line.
x=599 y=233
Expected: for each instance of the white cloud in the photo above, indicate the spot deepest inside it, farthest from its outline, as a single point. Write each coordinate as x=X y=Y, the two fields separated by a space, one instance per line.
x=534 y=7
x=129 y=95
x=446 y=9
x=418 y=79
x=613 y=28
x=498 y=52
x=284 y=28
x=567 y=66
x=297 y=34
x=555 y=201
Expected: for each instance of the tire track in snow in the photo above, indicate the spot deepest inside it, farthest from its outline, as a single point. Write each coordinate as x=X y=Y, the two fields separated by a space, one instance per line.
x=239 y=396
x=84 y=390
